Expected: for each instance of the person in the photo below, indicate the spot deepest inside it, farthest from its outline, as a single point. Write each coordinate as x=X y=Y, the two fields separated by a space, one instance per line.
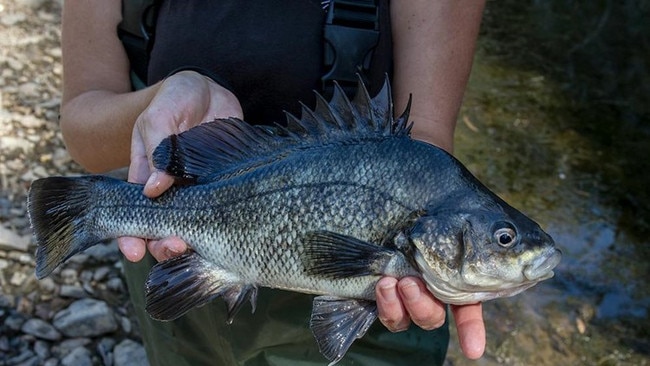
x=270 y=55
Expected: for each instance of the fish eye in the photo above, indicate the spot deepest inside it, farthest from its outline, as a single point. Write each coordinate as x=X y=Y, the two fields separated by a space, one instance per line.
x=505 y=235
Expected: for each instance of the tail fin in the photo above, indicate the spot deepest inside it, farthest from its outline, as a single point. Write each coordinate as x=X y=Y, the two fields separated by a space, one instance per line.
x=57 y=210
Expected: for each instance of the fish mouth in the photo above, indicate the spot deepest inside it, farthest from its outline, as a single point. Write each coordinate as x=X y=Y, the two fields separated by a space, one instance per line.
x=542 y=267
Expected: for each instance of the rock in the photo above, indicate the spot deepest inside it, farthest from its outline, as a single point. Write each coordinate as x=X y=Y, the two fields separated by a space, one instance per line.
x=4 y=344
x=86 y=318
x=29 y=89
x=101 y=273
x=22 y=258
x=18 y=278
x=24 y=358
x=79 y=356
x=33 y=4
x=108 y=252
x=69 y=344
x=9 y=240
x=115 y=284
x=9 y=143
x=69 y=276
x=105 y=350
x=126 y=324
x=42 y=349
x=47 y=285
x=15 y=321
x=12 y=19
x=128 y=353
x=30 y=121
x=74 y=292
x=41 y=329
x=14 y=64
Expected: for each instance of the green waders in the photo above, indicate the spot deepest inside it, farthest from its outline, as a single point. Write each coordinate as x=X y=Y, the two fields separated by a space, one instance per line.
x=276 y=334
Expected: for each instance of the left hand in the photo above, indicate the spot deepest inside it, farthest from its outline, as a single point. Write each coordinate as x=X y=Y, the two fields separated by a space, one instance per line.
x=408 y=300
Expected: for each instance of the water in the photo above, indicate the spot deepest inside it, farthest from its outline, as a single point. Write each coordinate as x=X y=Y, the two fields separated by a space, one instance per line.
x=556 y=120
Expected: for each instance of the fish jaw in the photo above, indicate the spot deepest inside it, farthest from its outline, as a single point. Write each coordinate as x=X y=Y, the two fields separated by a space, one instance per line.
x=472 y=283
x=542 y=267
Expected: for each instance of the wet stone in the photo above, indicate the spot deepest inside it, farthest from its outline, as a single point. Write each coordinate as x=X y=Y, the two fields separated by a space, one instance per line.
x=41 y=329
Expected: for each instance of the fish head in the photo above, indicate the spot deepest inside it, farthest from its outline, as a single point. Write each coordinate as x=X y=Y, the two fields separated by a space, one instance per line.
x=471 y=256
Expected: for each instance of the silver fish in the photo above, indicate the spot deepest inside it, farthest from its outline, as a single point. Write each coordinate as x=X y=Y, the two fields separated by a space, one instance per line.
x=326 y=205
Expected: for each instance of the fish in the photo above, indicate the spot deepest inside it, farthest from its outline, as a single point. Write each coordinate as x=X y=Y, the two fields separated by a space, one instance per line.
x=325 y=204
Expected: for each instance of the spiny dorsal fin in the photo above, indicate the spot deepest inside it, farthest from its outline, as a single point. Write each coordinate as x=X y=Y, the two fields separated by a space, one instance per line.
x=230 y=146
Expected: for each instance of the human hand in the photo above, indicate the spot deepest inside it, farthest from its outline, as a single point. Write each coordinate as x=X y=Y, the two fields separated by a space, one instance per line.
x=401 y=302
x=182 y=101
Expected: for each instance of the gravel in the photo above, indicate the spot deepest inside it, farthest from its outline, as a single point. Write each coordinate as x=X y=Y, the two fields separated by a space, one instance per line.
x=80 y=314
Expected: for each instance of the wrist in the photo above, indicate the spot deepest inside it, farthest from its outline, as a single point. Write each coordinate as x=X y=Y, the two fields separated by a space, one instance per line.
x=207 y=73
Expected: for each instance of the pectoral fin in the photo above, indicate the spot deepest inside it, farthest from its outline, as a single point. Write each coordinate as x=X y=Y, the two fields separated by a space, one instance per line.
x=179 y=284
x=337 y=322
x=340 y=256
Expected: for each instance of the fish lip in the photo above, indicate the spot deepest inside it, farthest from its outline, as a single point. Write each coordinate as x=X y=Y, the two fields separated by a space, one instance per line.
x=542 y=267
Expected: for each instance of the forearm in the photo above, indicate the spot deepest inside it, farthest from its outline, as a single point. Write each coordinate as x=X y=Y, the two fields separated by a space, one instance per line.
x=433 y=46
x=97 y=126
x=98 y=108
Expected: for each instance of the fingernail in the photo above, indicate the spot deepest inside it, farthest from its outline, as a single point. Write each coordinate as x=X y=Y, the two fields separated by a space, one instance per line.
x=409 y=290
x=388 y=292
x=152 y=182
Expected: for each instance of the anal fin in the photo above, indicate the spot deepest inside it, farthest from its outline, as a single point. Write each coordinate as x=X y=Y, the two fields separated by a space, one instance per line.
x=337 y=323
x=179 y=284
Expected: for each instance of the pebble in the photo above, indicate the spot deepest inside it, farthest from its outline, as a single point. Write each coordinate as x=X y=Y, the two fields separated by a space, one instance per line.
x=18 y=278
x=41 y=329
x=105 y=350
x=128 y=353
x=86 y=318
x=15 y=321
x=79 y=356
x=71 y=291
x=9 y=240
x=69 y=276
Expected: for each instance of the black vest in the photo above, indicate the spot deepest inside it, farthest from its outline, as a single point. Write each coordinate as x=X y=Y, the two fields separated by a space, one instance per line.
x=269 y=52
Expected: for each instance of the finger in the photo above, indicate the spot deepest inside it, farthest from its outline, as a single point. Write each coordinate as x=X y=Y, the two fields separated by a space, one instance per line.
x=157 y=183
x=139 y=166
x=425 y=310
x=471 y=329
x=132 y=248
x=167 y=248
x=390 y=310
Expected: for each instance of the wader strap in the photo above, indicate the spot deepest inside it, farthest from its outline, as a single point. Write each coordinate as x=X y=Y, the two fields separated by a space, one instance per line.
x=351 y=34
x=136 y=31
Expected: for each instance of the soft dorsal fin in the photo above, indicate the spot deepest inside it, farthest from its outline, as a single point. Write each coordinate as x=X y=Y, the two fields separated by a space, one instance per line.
x=229 y=146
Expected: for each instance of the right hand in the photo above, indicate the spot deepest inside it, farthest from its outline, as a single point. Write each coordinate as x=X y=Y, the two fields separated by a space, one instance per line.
x=183 y=100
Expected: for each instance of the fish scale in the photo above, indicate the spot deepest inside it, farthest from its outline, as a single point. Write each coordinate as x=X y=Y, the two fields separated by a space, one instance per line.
x=326 y=205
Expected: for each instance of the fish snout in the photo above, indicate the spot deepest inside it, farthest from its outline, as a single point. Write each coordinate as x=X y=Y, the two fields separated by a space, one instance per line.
x=542 y=267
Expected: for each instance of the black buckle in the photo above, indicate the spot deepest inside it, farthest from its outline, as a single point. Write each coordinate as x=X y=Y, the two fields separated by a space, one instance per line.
x=351 y=34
